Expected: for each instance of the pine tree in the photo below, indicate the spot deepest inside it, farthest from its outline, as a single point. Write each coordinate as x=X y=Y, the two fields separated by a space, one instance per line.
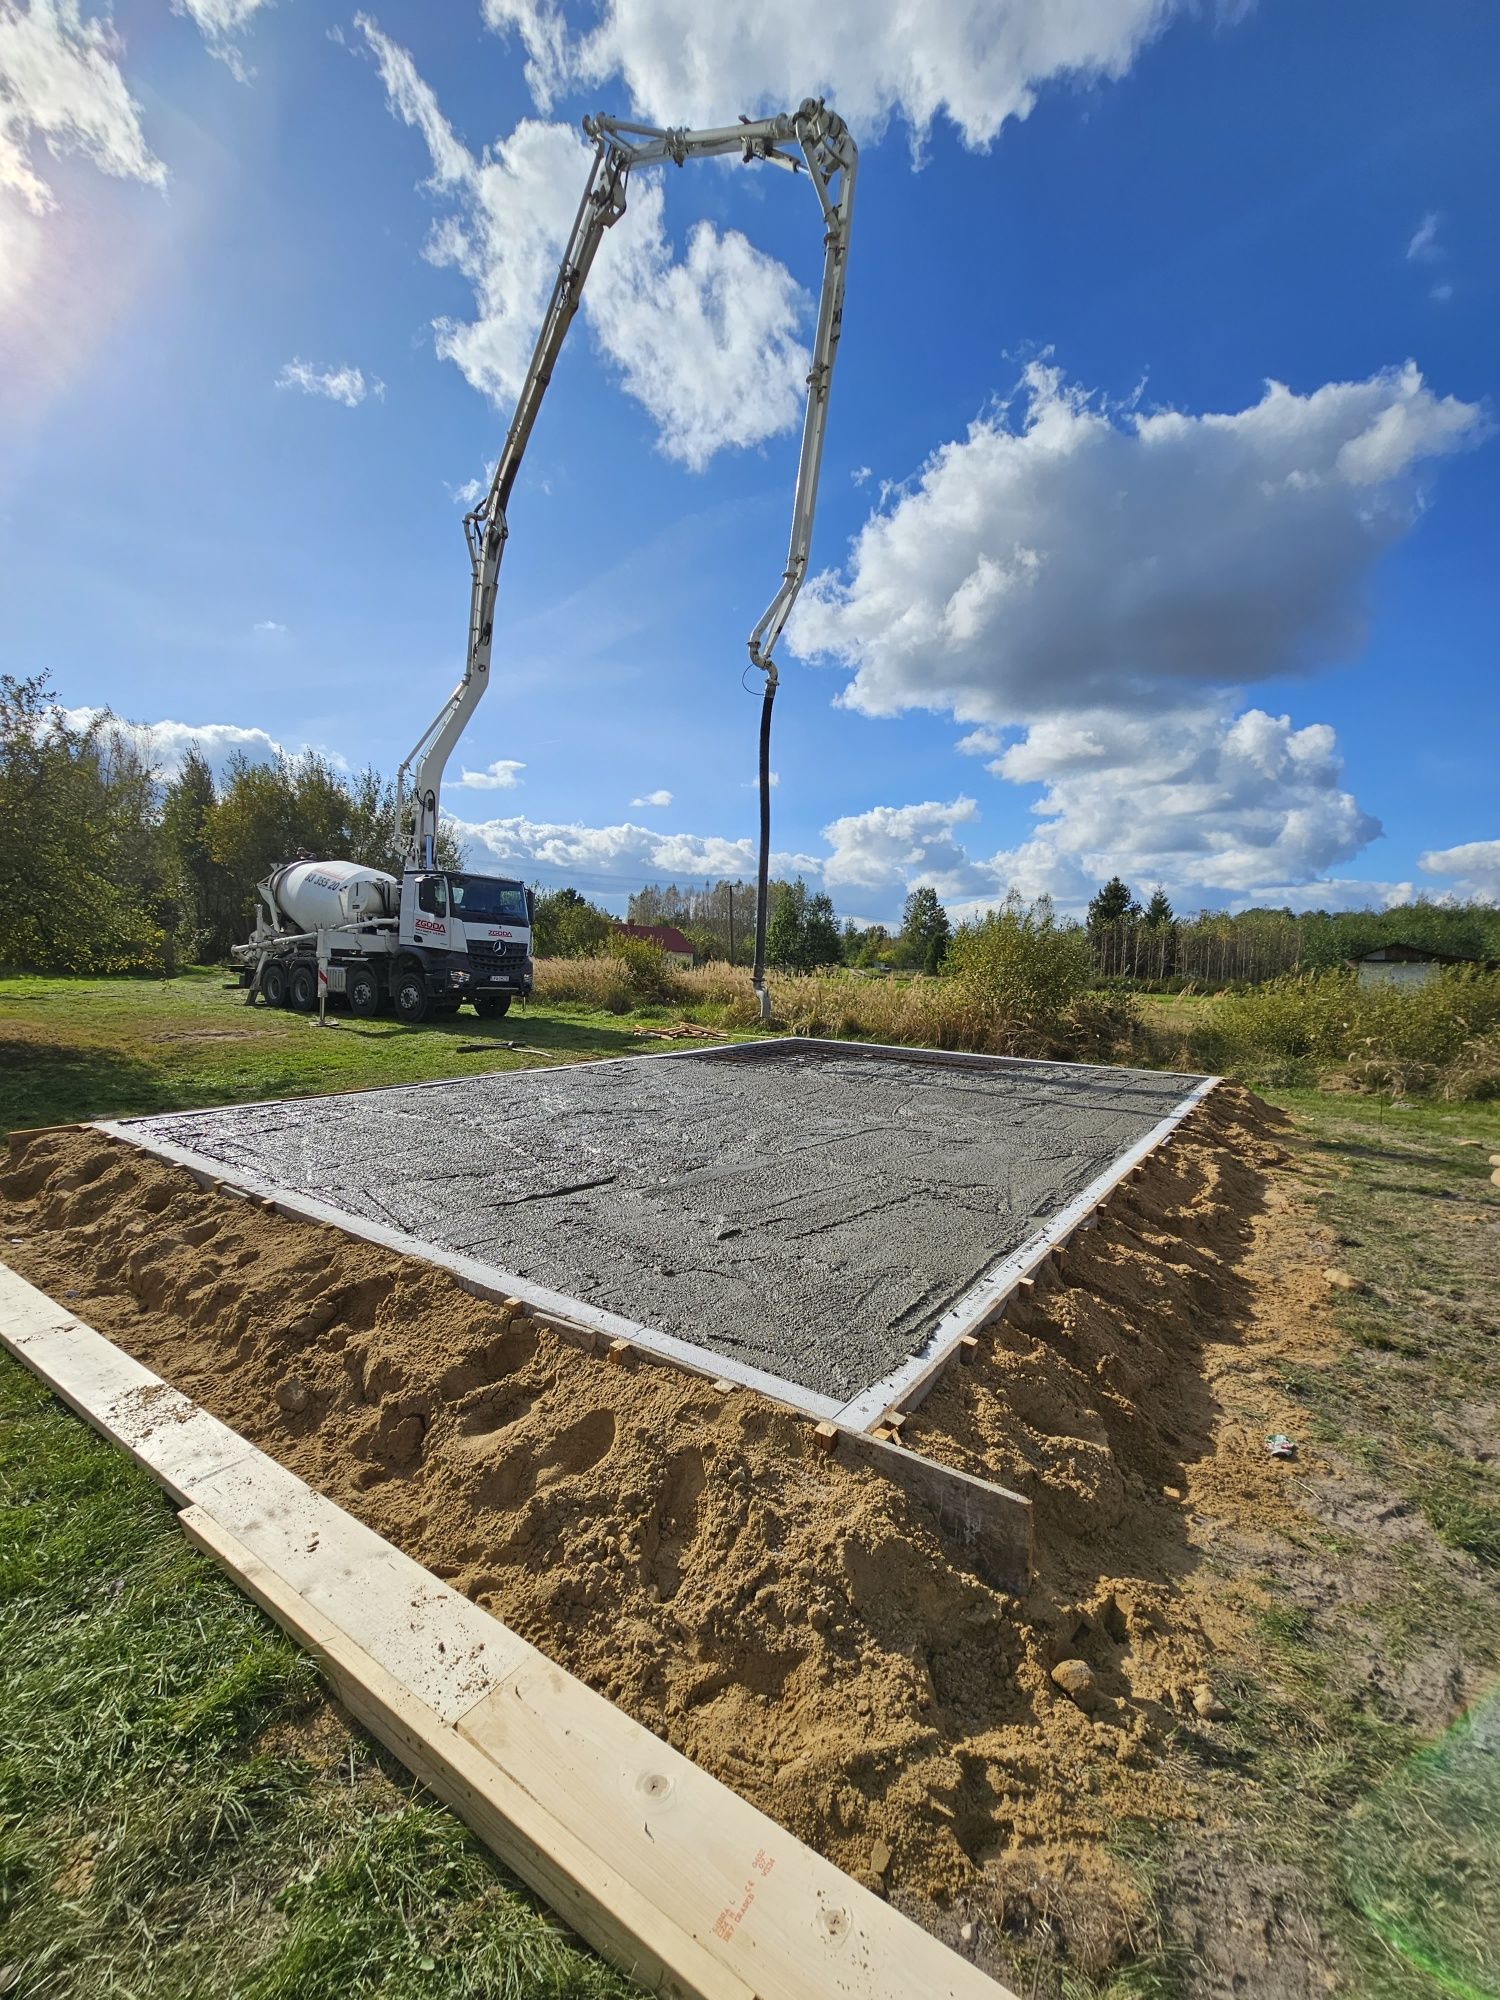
x=821 y=944
x=925 y=930
x=786 y=938
x=1158 y=910
x=1114 y=904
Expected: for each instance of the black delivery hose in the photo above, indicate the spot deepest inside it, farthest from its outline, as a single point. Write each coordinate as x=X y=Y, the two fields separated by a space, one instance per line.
x=758 y=977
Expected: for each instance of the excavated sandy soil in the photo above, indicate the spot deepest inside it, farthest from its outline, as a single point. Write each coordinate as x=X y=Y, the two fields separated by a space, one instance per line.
x=798 y=1627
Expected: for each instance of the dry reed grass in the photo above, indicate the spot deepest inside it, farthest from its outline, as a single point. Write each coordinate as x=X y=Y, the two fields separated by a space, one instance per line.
x=922 y=1012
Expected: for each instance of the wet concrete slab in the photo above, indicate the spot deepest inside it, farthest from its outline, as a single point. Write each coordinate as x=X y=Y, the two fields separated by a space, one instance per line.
x=810 y=1211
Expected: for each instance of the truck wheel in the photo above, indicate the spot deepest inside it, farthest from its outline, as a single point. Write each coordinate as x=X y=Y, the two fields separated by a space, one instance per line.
x=273 y=985
x=302 y=988
x=491 y=1006
x=412 y=1002
x=362 y=989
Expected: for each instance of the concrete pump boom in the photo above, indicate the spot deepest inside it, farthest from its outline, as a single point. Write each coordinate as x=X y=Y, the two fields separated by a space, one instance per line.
x=811 y=138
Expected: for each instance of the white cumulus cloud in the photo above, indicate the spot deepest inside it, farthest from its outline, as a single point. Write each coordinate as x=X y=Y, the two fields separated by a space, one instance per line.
x=340 y=385
x=61 y=88
x=500 y=776
x=1075 y=556
x=164 y=744
x=707 y=343
x=1221 y=808
x=659 y=798
x=890 y=847
x=975 y=62
x=1215 y=805
x=1475 y=864
x=1334 y=892
x=621 y=856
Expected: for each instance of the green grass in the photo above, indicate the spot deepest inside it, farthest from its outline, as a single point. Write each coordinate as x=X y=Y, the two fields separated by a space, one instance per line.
x=1349 y=1788
x=97 y=1048
x=1423 y=1858
x=172 y=1823
x=1343 y=1117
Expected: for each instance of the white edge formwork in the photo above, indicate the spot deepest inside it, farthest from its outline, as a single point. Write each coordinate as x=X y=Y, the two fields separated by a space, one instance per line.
x=984 y=1300
x=486 y=1280
x=902 y=1388
x=993 y=1524
x=670 y=1874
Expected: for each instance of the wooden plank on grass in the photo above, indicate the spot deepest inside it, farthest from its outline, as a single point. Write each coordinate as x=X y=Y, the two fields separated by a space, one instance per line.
x=554 y=1859
x=679 y=1881
x=445 y=1648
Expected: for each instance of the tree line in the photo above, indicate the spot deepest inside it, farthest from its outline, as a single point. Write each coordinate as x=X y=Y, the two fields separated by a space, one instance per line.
x=1148 y=944
x=112 y=865
x=803 y=933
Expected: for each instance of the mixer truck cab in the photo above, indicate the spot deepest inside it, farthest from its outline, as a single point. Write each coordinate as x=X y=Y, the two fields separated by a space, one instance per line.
x=470 y=935
x=339 y=931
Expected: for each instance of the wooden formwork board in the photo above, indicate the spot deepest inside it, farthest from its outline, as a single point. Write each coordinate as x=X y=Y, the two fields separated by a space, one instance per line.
x=667 y=1872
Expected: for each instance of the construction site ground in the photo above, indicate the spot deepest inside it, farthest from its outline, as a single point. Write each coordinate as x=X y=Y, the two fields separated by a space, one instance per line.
x=1232 y=1809
x=806 y=1209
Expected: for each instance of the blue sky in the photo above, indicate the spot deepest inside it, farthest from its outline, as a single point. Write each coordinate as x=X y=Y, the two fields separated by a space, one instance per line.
x=1091 y=595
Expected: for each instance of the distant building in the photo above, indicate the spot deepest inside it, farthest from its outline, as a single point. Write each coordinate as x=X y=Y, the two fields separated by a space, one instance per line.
x=1404 y=965
x=668 y=940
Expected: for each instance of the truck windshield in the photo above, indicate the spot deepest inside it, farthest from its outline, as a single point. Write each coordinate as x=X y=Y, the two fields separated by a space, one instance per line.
x=479 y=899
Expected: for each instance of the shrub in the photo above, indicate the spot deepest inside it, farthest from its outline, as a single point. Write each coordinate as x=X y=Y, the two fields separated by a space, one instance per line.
x=1022 y=989
x=601 y=982
x=1385 y=1036
x=645 y=965
x=1475 y=1071
x=1020 y=966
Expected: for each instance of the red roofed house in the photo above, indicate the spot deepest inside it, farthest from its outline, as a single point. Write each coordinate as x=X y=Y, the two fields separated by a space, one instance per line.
x=673 y=946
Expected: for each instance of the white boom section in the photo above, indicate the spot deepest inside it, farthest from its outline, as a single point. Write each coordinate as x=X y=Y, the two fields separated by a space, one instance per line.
x=812 y=139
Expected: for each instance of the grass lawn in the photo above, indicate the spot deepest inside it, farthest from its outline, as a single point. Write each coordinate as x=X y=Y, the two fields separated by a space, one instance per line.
x=183 y=1814
x=1387 y=1601
x=97 y=1048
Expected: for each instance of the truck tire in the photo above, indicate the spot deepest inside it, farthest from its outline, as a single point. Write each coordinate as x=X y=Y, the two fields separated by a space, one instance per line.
x=413 y=1002
x=491 y=1006
x=362 y=989
x=273 y=985
x=302 y=987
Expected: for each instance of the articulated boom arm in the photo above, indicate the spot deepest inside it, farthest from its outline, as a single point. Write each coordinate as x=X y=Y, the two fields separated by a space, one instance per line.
x=813 y=139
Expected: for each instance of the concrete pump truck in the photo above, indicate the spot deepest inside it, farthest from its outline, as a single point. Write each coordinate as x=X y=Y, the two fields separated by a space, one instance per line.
x=437 y=938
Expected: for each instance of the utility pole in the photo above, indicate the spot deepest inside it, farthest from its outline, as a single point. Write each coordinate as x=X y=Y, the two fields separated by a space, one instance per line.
x=730 y=887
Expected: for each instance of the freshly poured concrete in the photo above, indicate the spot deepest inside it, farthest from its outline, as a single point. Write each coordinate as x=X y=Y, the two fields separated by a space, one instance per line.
x=805 y=1211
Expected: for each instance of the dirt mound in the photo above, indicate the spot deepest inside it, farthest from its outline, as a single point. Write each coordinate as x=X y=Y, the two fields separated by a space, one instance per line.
x=1093 y=1397
x=796 y=1626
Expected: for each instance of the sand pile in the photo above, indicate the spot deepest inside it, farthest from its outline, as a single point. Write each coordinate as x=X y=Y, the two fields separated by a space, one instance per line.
x=796 y=1626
